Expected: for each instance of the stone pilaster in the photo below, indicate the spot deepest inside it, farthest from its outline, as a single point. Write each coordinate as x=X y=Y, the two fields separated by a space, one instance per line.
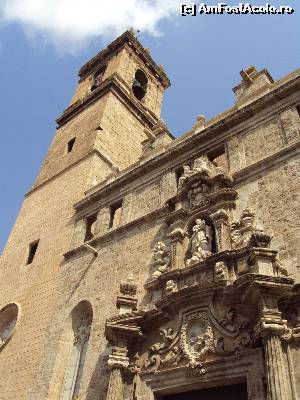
x=177 y=247
x=79 y=233
x=102 y=224
x=115 y=386
x=168 y=186
x=277 y=379
x=222 y=229
x=271 y=330
x=117 y=361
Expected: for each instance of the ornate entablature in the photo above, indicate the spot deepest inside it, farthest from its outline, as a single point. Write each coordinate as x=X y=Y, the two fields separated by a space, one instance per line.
x=216 y=290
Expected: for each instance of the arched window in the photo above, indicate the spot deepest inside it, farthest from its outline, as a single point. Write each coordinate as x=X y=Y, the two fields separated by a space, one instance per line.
x=139 y=85
x=98 y=77
x=8 y=321
x=81 y=316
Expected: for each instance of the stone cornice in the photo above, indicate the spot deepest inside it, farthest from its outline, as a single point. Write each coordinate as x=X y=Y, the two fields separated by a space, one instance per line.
x=117 y=85
x=266 y=163
x=129 y=39
x=114 y=233
x=200 y=142
x=90 y=153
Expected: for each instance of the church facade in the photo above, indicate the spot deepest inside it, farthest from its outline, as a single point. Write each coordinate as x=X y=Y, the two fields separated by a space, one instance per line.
x=147 y=267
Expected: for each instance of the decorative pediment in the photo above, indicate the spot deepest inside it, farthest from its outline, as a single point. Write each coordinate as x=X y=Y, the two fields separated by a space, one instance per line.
x=199 y=184
x=201 y=336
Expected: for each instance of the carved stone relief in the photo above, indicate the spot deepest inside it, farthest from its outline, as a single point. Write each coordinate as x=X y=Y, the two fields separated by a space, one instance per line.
x=197 y=341
x=221 y=271
x=160 y=259
x=202 y=335
x=242 y=229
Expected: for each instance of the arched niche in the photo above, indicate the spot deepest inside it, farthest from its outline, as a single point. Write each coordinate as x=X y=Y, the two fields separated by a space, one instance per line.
x=80 y=322
x=139 y=85
x=9 y=316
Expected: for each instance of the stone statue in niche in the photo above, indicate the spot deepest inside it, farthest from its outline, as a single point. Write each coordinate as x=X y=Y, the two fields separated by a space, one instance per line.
x=161 y=259
x=199 y=244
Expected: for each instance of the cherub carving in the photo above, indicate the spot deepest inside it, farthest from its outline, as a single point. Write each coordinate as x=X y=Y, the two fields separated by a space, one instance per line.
x=171 y=287
x=161 y=259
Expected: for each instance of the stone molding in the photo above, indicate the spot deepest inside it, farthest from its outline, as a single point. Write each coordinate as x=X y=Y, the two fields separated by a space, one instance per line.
x=127 y=38
x=117 y=85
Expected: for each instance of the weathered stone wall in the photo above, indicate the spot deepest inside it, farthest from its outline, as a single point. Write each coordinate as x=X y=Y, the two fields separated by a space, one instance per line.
x=83 y=128
x=46 y=215
x=96 y=279
x=270 y=185
x=274 y=196
x=122 y=133
x=125 y=63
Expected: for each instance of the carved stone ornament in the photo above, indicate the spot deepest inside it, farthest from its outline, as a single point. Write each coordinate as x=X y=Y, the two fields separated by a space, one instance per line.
x=244 y=232
x=171 y=287
x=198 y=247
x=197 y=341
x=128 y=287
x=161 y=259
x=200 y=335
x=160 y=354
x=201 y=167
x=221 y=271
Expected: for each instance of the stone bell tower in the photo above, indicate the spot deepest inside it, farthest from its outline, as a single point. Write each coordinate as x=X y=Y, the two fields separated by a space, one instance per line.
x=118 y=97
x=116 y=103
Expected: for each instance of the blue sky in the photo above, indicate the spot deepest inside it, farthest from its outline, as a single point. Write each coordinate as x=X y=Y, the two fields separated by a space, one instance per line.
x=202 y=56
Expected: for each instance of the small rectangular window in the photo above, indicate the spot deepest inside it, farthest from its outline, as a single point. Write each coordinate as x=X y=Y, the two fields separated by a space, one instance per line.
x=115 y=214
x=32 y=250
x=218 y=156
x=178 y=173
x=71 y=144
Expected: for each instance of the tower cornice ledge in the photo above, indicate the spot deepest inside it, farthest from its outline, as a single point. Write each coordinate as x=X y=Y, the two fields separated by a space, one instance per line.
x=116 y=85
x=126 y=39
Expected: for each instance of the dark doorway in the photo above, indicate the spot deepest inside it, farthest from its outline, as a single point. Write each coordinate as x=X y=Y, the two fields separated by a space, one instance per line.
x=233 y=392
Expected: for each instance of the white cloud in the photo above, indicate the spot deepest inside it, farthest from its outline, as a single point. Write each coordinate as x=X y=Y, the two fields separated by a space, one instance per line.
x=71 y=24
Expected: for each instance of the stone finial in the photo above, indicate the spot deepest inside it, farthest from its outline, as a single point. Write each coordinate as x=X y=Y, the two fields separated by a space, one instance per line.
x=254 y=84
x=126 y=301
x=128 y=287
x=248 y=73
x=200 y=123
